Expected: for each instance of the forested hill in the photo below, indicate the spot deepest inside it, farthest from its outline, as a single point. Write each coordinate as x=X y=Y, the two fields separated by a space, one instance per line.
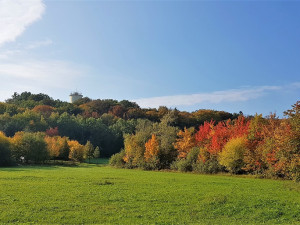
x=102 y=121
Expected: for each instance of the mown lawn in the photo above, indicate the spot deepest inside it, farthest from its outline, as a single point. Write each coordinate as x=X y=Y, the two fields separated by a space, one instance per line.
x=101 y=194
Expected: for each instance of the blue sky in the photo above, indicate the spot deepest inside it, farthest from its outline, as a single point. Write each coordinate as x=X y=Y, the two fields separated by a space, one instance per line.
x=224 y=55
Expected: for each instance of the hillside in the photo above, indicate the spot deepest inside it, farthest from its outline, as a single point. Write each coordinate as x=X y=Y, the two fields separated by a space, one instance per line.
x=102 y=121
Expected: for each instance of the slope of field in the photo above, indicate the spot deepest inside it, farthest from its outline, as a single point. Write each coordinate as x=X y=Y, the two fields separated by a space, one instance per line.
x=100 y=194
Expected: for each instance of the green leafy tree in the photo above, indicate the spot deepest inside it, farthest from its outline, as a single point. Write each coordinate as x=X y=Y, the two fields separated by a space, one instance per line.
x=89 y=149
x=96 y=153
x=167 y=134
x=64 y=150
x=30 y=146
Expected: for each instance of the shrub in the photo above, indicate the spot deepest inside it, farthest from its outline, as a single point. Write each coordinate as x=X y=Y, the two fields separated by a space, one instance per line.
x=117 y=159
x=180 y=165
x=210 y=166
x=187 y=164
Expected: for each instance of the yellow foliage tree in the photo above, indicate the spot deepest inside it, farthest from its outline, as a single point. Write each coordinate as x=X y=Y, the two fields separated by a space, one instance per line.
x=5 y=154
x=133 y=150
x=77 y=151
x=18 y=149
x=232 y=156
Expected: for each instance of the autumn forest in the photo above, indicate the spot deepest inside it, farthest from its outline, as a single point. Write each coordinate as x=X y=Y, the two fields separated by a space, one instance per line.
x=36 y=129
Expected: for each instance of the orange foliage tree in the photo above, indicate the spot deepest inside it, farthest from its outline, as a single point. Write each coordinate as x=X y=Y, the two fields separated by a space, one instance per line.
x=52 y=146
x=151 y=149
x=45 y=110
x=185 y=142
x=58 y=147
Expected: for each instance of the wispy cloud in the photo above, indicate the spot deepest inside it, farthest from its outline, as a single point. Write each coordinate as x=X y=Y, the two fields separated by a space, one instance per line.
x=21 y=50
x=295 y=85
x=39 y=44
x=16 y=15
x=47 y=76
x=50 y=73
x=233 y=95
x=7 y=54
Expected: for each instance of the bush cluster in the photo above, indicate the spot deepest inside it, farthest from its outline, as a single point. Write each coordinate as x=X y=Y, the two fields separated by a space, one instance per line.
x=27 y=147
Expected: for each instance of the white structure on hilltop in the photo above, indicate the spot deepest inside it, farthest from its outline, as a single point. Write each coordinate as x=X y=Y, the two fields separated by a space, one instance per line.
x=74 y=96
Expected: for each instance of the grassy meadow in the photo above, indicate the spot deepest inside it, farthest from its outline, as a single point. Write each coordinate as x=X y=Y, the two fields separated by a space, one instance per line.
x=101 y=194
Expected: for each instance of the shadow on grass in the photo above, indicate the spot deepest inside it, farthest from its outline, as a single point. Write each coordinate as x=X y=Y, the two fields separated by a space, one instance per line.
x=55 y=164
x=27 y=167
x=99 y=161
x=48 y=165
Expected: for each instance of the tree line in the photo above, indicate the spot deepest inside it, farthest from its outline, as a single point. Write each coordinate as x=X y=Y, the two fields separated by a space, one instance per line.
x=36 y=128
x=38 y=147
x=268 y=147
x=103 y=122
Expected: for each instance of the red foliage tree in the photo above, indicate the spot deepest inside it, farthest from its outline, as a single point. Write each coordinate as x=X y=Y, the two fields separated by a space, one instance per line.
x=51 y=132
x=239 y=128
x=203 y=135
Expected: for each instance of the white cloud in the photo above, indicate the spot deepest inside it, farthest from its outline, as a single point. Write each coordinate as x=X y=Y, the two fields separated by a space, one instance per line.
x=233 y=95
x=50 y=73
x=38 y=44
x=52 y=77
x=9 y=53
x=21 y=50
x=16 y=15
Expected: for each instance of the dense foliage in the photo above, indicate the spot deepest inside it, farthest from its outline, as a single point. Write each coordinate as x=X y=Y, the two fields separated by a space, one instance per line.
x=268 y=147
x=37 y=128
x=28 y=147
x=102 y=122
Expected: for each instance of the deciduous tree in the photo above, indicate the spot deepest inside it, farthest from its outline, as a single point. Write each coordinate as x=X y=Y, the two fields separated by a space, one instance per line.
x=185 y=142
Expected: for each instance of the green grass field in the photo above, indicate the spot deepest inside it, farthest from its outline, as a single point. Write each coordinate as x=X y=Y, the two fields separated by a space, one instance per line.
x=101 y=194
